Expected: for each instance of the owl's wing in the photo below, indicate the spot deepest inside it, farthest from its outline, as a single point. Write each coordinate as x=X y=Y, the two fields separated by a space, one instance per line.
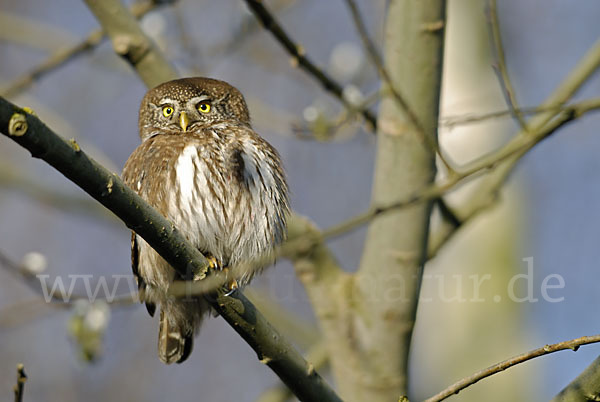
x=132 y=173
x=135 y=260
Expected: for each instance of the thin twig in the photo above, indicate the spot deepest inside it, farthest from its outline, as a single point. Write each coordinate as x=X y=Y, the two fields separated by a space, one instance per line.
x=26 y=311
x=300 y=59
x=108 y=189
x=63 y=56
x=21 y=379
x=440 y=189
x=377 y=61
x=512 y=155
x=469 y=118
x=455 y=388
x=16 y=179
x=541 y=126
x=447 y=213
x=343 y=117
x=500 y=66
x=245 y=30
x=485 y=197
x=56 y=294
x=435 y=191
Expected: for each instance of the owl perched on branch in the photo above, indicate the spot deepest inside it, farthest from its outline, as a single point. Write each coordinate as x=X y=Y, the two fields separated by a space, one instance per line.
x=204 y=168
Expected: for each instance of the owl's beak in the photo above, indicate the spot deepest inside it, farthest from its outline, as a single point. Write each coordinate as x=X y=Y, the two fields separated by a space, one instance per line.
x=184 y=121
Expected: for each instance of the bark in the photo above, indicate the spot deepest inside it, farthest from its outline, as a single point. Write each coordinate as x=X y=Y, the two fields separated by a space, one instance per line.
x=586 y=387
x=388 y=282
x=367 y=318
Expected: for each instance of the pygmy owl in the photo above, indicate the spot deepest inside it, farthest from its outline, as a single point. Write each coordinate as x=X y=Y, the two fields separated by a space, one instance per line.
x=203 y=167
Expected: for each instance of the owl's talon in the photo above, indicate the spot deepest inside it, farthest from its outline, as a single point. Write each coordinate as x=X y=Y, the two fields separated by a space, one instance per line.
x=213 y=263
x=29 y=110
x=231 y=285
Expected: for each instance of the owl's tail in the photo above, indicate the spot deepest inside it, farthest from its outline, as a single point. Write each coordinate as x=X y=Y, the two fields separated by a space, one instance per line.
x=174 y=341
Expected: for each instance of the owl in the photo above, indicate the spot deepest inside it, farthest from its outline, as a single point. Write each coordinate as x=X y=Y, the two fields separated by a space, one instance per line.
x=203 y=167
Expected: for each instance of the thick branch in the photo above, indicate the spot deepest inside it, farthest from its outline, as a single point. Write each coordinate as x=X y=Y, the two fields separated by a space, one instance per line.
x=586 y=387
x=389 y=276
x=107 y=188
x=317 y=354
x=330 y=291
x=130 y=42
x=573 y=344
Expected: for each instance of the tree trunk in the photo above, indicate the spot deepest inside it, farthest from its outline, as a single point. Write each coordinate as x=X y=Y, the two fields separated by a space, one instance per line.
x=386 y=287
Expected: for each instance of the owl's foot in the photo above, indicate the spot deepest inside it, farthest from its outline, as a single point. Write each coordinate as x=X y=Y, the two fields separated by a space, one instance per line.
x=213 y=263
x=29 y=110
x=231 y=285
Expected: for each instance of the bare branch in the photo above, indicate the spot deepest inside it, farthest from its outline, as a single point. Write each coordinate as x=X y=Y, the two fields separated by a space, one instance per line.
x=377 y=61
x=21 y=379
x=130 y=42
x=500 y=166
x=436 y=191
x=107 y=188
x=455 y=388
x=456 y=120
x=26 y=311
x=586 y=387
x=15 y=179
x=553 y=116
x=62 y=57
x=485 y=197
x=301 y=331
x=500 y=67
x=300 y=59
x=57 y=296
x=247 y=28
x=319 y=357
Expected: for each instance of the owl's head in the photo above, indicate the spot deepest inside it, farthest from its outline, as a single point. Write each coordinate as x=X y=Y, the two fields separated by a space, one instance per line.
x=190 y=103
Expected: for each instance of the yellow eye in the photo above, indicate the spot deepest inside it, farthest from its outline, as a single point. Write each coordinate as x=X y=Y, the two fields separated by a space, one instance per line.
x=167 y=111
x=204 y=107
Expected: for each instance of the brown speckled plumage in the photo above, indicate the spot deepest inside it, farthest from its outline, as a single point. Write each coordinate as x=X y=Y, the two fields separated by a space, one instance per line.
x=216 y=179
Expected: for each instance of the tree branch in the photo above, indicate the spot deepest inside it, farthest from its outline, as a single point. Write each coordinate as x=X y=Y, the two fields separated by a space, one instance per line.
x=300 y=59
x=468 y=118
x=62 y=57
x=21 y=379
x=500 y=66
x=153 y=73
x=542 y=126
x=485 y=197
x=317 y=354
x=107 y=188
x=21 y=272
x=388 y=279
x=586 y=387
x=573 y=344
x=130 y=42
x=373 y=53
